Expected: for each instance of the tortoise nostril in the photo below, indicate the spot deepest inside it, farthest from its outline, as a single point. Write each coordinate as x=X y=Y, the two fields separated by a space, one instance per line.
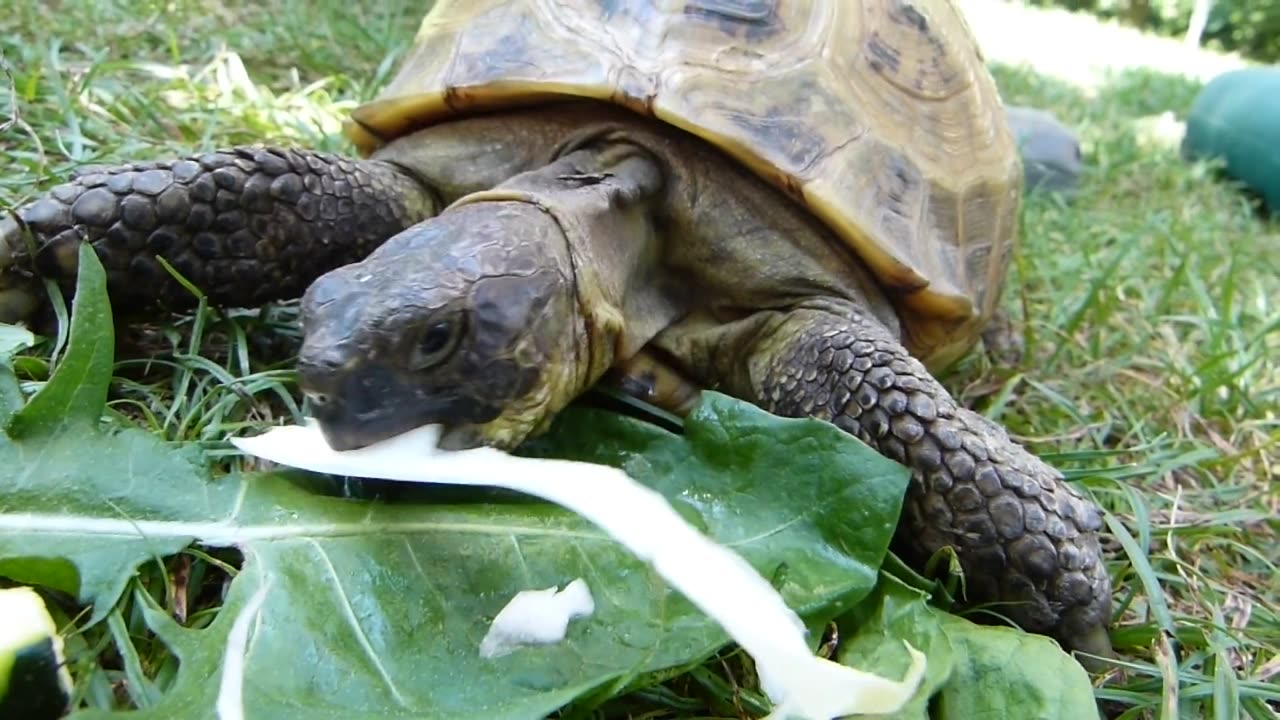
x=318 y=360
x=317 y=399
x=319 y=379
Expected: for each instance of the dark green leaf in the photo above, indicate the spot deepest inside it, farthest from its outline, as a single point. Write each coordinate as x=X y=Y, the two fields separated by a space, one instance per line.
x=877 y=628
x=1005 y=673
x=388 y=602
x=773 y=474
x=974 y=671
x=69 y=503
x=77 y=392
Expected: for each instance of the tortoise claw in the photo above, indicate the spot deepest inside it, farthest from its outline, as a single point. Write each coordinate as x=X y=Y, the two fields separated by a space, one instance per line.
x=20 y=294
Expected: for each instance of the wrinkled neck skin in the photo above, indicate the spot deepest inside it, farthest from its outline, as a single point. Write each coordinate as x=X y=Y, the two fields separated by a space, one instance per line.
x=540 y=339
x=600 y=199
x=534 y=272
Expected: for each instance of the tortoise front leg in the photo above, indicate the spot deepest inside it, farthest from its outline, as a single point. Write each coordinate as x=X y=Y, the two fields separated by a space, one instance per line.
x=1024 y=538
x=245 y=225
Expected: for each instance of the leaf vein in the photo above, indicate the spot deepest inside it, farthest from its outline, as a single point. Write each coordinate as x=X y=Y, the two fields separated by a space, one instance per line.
x=349 y=614
x=524 y=562
x=222 y=532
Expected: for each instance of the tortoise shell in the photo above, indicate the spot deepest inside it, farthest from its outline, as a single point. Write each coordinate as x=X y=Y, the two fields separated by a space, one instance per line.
x=879 y=116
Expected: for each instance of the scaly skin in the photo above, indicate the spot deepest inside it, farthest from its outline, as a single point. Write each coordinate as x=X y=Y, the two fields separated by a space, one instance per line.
x=1025 y=538
x=246 y=225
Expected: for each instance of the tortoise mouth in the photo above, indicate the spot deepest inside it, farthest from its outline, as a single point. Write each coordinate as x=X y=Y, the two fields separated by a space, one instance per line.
x=367 y=403
x=346 y=430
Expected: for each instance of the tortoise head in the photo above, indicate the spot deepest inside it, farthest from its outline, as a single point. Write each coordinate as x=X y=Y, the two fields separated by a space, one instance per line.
x=468 y=320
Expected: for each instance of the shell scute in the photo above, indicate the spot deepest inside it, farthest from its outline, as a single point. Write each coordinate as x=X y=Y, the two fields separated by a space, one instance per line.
x=878 y=115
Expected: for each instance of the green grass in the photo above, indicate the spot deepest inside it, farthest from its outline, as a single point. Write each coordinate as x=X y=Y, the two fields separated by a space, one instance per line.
x=1148 y=307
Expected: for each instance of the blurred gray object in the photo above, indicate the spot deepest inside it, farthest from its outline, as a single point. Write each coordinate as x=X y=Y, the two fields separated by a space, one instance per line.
x=1050 y=150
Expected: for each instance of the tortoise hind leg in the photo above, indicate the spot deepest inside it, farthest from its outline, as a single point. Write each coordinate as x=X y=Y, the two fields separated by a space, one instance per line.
x=1025 y=538
x=1002 y=341
x=245 y=225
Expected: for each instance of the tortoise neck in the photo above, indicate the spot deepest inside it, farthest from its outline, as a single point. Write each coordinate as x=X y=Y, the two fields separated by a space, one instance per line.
x=605 y=198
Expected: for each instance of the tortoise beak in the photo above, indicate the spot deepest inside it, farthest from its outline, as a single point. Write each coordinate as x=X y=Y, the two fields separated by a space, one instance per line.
x=363 y=405
x=352 y=431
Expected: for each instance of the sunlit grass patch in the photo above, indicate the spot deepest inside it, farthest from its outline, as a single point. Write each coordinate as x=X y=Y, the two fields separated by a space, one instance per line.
x=104 y=82
x=1153 y=372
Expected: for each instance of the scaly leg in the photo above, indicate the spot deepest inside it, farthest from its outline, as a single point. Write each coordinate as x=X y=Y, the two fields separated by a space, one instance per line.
x=245 y=225
x=1024 y=538
x=1001 y=340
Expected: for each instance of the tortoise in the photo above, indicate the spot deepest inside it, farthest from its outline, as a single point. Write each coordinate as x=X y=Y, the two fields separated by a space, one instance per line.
x=810 y=206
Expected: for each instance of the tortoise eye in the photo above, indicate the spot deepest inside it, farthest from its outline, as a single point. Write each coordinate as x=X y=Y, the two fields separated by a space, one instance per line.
x=439 y=340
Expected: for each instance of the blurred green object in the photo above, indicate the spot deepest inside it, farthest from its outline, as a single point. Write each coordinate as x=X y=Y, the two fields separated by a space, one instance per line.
x=1236 y=119
x=34 y=682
